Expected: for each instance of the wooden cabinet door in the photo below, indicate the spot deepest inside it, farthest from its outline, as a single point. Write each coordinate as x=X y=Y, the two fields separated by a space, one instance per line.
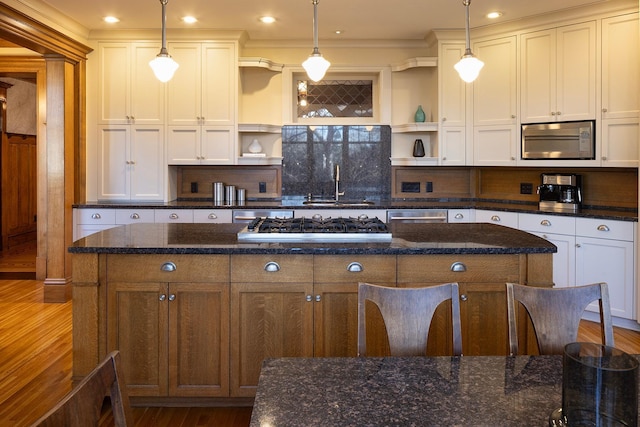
x=137 y=325
x=336 y=319
x=198 y=339
x=267 y=320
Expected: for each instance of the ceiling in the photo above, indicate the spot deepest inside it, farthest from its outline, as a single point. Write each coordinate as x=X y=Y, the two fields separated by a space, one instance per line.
x=357 y=19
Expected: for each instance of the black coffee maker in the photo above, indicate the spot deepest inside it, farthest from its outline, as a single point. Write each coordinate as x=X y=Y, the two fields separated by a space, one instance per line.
x=560 y=192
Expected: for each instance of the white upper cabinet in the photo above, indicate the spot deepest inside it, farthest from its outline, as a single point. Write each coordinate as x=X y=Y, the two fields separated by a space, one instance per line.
x=451 y=105
x=204 y=90
x=494 y=91
x=129 y=92
x=620 y=67
x=558 y=74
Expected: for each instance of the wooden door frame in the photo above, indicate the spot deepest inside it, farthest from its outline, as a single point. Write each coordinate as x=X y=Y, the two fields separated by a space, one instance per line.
x=61 y=83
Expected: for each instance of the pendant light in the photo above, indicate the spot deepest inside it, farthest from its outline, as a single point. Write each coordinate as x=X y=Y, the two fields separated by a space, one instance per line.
x=315 y=65
x=469 y=66
x=163 y=65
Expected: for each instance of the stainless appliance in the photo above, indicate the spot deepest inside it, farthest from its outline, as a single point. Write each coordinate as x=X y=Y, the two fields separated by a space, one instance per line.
x=417 y=215
x=559 y=140
x=240 y=216
x=304 y=230
x=560 y=192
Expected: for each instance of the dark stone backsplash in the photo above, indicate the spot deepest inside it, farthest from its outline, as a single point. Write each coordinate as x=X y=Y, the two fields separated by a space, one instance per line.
x=310 y=154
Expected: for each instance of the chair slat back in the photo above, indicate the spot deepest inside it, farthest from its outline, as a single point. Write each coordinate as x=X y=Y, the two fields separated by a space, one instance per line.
x=556 y=313
x=82 y=406
x=407 y=314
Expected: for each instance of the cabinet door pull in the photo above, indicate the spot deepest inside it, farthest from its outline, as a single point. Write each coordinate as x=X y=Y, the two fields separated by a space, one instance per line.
x=173 y=216
x=463 y=297
x=213 y=216
x=168 y=266
x=318 y=298
x=355 y=267
x=172 y=297
x=96 y=216
x=162 y=297
x=495 y=218
x=459 y=216
x=308 y=298
x=134 y=216
x=545 y=222
x=603 y=227
x=271 y=267
x=458 y=267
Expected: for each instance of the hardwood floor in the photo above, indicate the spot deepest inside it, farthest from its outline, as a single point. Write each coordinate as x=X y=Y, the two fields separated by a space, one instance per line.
x=35 y=363
x=19 y=262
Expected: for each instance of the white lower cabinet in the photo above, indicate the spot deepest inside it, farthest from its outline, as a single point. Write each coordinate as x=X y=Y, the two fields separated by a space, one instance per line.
x=460 y=215
x=591 y=251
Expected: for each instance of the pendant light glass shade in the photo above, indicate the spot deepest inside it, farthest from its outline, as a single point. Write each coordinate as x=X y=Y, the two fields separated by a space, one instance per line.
x=315 y=65
x=469 y=66
x=163 y=65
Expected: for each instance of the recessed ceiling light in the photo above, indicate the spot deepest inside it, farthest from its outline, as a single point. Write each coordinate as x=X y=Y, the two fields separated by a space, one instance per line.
x=111 y=19
x=189 y=20
x=494 y=15
x=338 y=32
x=267 y=19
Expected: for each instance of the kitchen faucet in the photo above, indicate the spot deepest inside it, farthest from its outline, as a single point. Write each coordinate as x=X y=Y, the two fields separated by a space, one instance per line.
x=337 y=180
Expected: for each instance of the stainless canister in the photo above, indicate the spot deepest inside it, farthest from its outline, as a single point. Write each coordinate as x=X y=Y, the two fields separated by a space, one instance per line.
x=230 y=194
x=241 y=193
x=218 y=192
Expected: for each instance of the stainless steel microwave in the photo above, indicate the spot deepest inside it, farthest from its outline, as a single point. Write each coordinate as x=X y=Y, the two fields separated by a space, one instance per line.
x=559 y=140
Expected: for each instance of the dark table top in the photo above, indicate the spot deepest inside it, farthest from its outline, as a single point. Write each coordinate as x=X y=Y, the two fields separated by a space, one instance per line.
x=408 y=238
x=420 y=391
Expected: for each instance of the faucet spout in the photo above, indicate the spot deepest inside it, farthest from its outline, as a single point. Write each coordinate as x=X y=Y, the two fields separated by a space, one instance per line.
x=336 y=178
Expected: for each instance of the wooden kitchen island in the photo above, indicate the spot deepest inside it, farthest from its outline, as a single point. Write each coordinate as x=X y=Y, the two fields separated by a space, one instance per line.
x=194 y=312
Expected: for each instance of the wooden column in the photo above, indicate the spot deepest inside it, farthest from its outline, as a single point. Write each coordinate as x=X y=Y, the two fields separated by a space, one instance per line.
x=59 y=164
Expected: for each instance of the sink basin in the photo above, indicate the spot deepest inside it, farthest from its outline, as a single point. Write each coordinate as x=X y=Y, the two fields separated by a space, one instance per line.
x=340 y=203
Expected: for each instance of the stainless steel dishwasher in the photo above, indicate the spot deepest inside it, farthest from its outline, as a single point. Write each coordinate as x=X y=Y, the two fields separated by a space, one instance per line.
x=249 y=215
x=416 y=215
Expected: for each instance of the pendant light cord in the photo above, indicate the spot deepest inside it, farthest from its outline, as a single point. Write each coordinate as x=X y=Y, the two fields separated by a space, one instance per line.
x=466 y=3
x=163 y=49
x=315 y=27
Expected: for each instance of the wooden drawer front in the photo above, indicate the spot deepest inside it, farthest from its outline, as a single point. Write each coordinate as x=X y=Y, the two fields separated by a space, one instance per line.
x=604 y=229
x=438 y=268
x=134 y=216
x=272 y=268
x=547 y=224
x=376 y=269
x=148 y=268
x=96 y=216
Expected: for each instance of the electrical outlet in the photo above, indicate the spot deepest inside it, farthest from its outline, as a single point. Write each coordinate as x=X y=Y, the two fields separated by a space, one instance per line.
x=526 y=188
x=429 y=187
x=194 y=187
x=262 y=187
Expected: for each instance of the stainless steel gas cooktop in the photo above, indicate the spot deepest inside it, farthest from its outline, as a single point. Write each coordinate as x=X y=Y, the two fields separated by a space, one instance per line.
x=309 y=230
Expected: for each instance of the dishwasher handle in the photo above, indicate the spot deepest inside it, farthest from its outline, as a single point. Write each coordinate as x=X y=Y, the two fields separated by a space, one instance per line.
x=417 y=218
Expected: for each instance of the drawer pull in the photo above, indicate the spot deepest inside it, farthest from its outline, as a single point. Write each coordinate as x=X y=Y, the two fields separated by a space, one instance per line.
x=459 y=216
x=134 y=216
x=213 y=216
x=271 y=267
x=545 y=222
x=168 y=266
x=463 y=297
x=458 y=267
x=603 y=227
x=172 y=297
x=96 y=216
x=162 y=297
x=173 y=216
x=495 y=218
x=355 y=267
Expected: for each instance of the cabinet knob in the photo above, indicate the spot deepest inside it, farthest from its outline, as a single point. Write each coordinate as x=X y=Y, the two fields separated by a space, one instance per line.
x=553 y=113
x=495 y=218
x=578 y=245
x=355 y=267
x=604 y=157
x=444 y=119
x=604 y=110
x=96 y=216
x=132 y=162
x=603 y=227
x=271 y=267
x=513 y=158
x=308 y=298
x=213 y=216
x=559 y=113
x=172 y=297
x=545 y=222
x=459 y=216
x=318 y=298
x=134 y=216
x=168 y=266
x=463 y=297
x=444 y=158
x=513 y=116
x=162 y=297
x=458 y=267
x=173 y=216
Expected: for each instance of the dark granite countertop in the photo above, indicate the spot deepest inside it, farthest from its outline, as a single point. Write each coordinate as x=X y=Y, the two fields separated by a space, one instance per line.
x=418 y=391
x=296 y=203
x=408 y=238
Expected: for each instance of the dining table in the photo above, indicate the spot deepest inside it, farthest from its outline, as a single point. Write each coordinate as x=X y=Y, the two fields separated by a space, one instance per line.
x=408 y=391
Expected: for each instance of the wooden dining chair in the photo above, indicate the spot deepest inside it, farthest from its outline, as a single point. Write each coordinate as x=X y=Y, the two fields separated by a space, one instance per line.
x=555 y=314
x=407 y=315
x=82 y=406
